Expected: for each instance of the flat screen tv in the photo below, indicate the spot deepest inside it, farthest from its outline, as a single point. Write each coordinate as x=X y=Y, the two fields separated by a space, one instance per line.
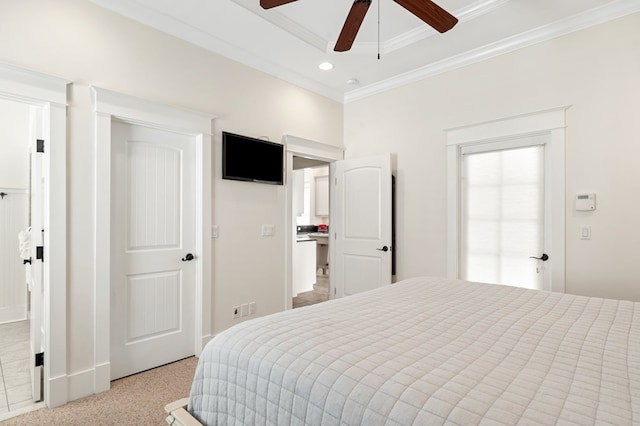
x=251 y=159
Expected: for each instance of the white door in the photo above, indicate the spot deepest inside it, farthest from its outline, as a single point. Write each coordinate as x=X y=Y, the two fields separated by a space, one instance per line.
x=360 y=224
x=37 y=271
x=153 y=241
x=502 y=213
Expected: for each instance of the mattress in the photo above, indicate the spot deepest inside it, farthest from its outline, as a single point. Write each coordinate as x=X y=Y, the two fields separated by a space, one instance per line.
x=428 y=351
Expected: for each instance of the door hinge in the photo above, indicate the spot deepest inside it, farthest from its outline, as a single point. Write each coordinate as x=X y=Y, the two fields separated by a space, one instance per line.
x=40 y=253
x=39 y=145
x=40 y=359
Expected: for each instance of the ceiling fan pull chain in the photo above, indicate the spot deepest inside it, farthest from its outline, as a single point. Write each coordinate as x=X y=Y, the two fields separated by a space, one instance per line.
x=378 y=29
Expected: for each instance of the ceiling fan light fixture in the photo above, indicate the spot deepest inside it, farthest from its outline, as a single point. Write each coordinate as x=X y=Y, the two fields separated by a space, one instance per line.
x=326 y=66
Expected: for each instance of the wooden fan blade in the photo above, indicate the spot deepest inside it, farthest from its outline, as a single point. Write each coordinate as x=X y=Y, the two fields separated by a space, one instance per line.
x=268 y=4
x=430 y=13
x=352 y=25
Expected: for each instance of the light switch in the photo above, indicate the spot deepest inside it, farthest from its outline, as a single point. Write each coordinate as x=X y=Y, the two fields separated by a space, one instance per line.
x=585 y=232
x=268 y=230
x=214 y=231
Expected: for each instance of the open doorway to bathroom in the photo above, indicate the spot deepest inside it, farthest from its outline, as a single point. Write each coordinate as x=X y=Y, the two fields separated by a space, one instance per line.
x=310 y=252
x=15 y=352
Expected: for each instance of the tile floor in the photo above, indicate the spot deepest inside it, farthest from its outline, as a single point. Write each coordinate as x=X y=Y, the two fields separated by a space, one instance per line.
x=320 y=293
x=15 y=378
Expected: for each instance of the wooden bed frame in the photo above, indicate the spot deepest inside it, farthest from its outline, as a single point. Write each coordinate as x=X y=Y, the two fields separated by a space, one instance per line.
x=178 y=414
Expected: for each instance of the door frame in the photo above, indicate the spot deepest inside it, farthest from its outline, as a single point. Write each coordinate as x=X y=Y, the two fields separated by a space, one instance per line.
x=551 y=122
x=300 y=147
x=49 y=95
x=109 y=105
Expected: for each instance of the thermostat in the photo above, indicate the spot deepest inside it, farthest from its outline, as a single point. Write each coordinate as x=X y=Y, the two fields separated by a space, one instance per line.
x=585 y=202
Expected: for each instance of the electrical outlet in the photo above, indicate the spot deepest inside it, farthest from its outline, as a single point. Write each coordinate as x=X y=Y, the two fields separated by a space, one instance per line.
x=252 y=308
x=236 y=312
x=268 y=230
x=244 y=310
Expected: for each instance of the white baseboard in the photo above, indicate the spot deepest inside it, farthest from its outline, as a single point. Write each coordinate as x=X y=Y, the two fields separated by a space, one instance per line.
x=13 y=313
x=81 y=384
x=56 y=391
x=205 y=339
x=102 y=377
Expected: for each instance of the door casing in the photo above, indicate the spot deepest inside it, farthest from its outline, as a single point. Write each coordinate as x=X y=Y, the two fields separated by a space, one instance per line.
x=301 y=147
x=110 y=105
x=551 y=122
x=48 y=94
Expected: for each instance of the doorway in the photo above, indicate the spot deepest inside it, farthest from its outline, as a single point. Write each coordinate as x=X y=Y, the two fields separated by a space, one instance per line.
x=46 y=97
x=311 y=218
x=309 y=154
x=15 y=283
x=112 y=107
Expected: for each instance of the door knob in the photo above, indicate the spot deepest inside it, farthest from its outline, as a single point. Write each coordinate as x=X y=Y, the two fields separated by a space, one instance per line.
x=188 y=257
x=544 y=257
x=384 y=248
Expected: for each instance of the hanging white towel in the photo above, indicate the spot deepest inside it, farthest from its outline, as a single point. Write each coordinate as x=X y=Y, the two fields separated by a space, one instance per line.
x=24 y=245
x=24 y=238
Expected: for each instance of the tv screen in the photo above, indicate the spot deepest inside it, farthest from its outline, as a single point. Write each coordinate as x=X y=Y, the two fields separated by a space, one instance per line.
x=251 y=159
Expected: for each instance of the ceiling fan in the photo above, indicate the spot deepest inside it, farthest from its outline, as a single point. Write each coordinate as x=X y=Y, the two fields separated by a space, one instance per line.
x=428 y=11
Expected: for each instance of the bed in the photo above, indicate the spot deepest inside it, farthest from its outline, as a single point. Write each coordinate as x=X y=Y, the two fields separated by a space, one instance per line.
x=427 y=351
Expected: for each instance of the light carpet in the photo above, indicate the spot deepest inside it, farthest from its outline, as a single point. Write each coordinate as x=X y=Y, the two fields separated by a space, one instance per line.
x=133 y=400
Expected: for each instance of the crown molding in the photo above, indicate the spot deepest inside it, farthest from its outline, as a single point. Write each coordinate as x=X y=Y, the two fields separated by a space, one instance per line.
x=559 y=28
x=286 y=24
x=423 y=32
x=407 y=38
x=194 y=35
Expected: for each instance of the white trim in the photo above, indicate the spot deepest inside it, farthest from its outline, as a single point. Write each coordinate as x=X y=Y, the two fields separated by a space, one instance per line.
x=551 y=122
x=541 y=34
x=286 y=24
x=323 y=44
x=50 y=94
x=296 y=146
x=421 y=32
x=147 y=113
x=199 y=37
x=110 y=105
x=312 y=149
x=81 y=384
x=524 y=124
x=31 y=87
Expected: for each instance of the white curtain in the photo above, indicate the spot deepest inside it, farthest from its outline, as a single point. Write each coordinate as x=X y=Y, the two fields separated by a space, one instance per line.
x=502 y=215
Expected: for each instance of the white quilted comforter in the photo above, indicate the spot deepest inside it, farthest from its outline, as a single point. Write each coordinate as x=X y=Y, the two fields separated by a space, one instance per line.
x=428 y=351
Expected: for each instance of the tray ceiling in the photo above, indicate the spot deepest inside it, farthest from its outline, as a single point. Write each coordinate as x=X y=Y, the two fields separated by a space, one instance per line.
x=290 y=41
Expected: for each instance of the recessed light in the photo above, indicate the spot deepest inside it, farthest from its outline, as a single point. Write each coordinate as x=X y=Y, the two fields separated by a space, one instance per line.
x=353 y=81
x=326 y=66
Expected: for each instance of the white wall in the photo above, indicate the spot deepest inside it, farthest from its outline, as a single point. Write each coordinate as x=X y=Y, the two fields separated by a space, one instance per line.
x=79 y=41
x=596 y=71
x=14 y=145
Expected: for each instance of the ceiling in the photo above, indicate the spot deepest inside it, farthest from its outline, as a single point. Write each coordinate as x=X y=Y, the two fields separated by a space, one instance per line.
x=290 y=41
